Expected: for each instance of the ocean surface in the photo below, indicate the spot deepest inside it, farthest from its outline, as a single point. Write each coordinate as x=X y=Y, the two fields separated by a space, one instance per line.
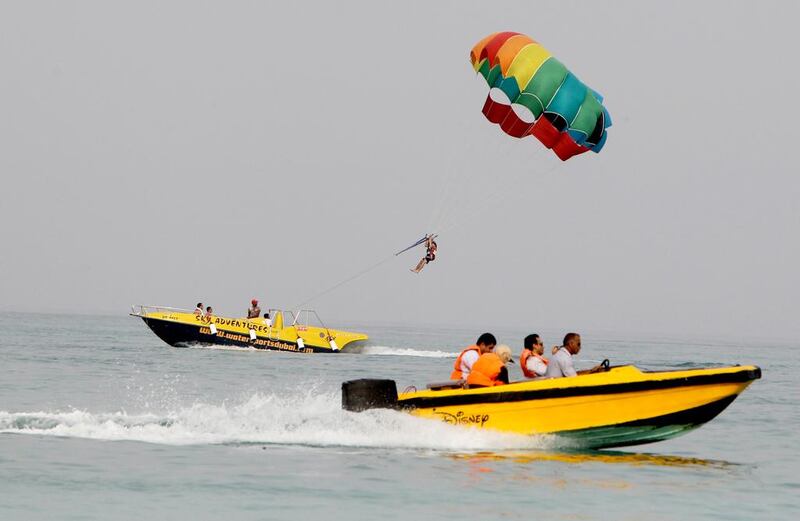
x=99 y=419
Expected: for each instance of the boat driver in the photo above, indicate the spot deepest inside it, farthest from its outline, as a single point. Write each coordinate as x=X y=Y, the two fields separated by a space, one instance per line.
x=561 y=363
x=198 y=310
x=470 y=355
x=253 y=311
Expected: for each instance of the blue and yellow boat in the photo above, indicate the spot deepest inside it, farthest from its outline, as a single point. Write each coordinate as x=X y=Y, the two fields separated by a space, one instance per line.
x=182 y=328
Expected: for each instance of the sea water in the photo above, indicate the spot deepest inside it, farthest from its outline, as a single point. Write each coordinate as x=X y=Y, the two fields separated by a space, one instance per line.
x=99 y=419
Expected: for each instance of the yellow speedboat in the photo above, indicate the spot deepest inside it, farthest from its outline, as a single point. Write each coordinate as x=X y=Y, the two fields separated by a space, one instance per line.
x=621 y=406
x=181 y=328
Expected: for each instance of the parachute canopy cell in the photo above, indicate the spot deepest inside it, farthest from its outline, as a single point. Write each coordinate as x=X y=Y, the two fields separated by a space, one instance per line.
x=531 y=93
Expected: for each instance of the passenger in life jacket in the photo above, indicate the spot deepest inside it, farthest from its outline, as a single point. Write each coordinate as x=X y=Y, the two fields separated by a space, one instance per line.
x=468 y=356
x=209 y=316
x=531 y=361
x=198 y=310
x=430 y=253
x=253 y=311
x=490 y=369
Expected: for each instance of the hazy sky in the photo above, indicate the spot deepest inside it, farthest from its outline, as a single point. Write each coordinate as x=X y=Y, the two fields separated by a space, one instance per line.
x=170 y=152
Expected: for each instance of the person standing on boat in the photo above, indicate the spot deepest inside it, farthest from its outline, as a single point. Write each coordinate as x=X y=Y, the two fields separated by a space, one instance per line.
x=561 y=363
x=253 y=311
x=470 y=355
x=531 y=360
x=198 y=310
x=209 y=316
x=490 y=368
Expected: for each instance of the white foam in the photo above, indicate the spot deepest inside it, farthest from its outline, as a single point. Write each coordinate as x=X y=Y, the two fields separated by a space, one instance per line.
x=403 y=351
x=312 y=420
x=219 y=347
x=366 y=350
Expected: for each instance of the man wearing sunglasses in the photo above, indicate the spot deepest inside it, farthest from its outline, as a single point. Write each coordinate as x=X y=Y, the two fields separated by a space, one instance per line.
x=531 y=360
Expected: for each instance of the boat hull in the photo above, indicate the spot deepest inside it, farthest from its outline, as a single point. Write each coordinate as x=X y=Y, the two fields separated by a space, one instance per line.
x=178 y=334
x=625 y=406
x=649 y=430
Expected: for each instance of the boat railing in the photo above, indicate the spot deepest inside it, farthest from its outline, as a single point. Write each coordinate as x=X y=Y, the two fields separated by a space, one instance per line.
x=141 y=310
x=299 y=318
x=303 y=317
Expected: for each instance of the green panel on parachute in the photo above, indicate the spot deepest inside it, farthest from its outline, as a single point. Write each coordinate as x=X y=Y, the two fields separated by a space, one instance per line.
x=589 y=111
x=492 y=75
x=545 y=83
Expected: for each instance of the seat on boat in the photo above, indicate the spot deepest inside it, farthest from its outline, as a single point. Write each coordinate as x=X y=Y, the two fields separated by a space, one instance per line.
x=450 y=384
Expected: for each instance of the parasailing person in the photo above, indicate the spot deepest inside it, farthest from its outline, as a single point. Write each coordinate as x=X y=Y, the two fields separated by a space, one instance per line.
x=430 y=253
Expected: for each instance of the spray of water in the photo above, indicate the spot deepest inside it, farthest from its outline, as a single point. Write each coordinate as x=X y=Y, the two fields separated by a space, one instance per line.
x=312 y=419
x=357 y=349
x=403 y=351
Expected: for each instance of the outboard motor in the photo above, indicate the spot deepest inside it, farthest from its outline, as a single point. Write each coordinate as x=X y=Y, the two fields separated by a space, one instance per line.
x=360 y=395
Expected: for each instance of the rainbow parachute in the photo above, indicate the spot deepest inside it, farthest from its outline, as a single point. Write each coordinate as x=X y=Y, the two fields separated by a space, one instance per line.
x=532 y=93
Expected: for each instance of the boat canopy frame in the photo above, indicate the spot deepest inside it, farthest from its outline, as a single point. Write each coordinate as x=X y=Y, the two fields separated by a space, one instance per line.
x=299 y=317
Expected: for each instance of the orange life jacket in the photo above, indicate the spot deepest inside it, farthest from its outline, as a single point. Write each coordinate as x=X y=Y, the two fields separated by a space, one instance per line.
x=523 y=362
x=485 y=371
x=457 y=374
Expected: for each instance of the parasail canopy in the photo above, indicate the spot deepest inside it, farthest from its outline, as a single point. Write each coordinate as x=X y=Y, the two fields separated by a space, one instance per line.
x=532 y=93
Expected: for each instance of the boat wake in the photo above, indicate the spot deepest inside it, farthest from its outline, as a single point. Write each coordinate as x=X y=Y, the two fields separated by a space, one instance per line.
x=364 y=350
x=217 y=347
x=401 y=351
x=311 y=420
